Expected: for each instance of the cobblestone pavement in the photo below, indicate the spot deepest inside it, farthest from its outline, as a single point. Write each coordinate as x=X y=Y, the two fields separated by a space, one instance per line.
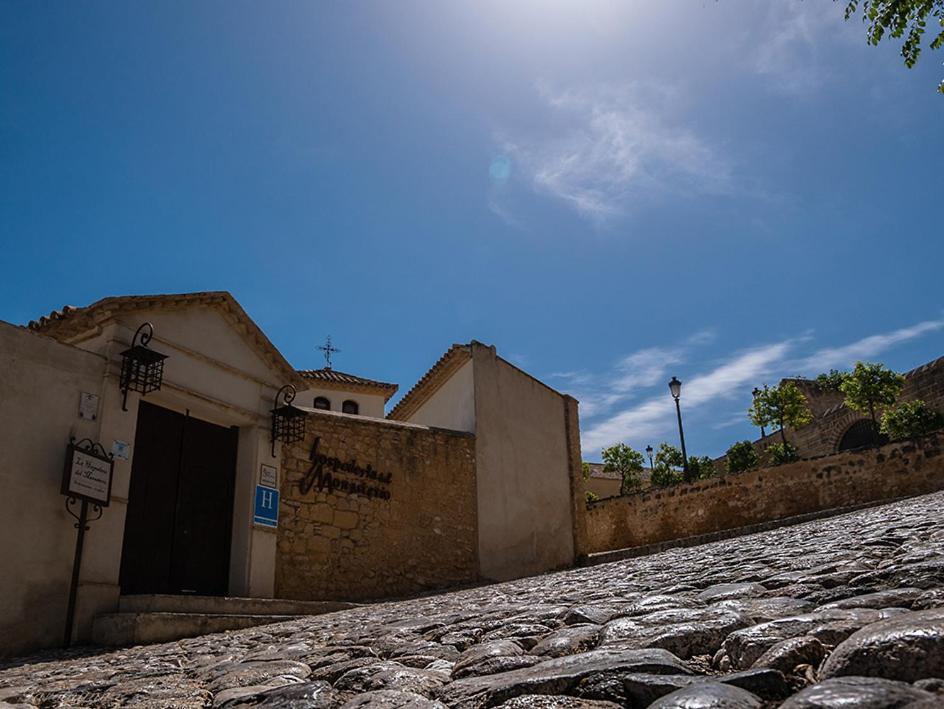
x=841 y=612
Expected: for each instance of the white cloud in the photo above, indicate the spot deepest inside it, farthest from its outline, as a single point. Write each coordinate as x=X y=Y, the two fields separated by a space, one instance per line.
x=656 y=415
x=787 y=48
x=654 y=418
x=865 y=348
x=645 y=367
x=615 y=147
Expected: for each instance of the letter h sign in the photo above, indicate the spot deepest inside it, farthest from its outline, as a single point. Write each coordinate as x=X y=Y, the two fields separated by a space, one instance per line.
x=267 y=506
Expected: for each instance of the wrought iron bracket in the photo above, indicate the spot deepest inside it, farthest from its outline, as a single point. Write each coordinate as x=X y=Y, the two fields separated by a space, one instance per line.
x=288 y=422
x=142 y=369
x=72 y=502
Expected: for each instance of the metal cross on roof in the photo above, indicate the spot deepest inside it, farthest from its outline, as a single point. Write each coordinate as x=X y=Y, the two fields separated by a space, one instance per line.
x=328 y=350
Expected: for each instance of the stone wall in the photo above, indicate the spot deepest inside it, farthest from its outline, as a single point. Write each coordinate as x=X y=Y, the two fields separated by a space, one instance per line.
x=372 y=508
x=832 y=418
x=738 y=500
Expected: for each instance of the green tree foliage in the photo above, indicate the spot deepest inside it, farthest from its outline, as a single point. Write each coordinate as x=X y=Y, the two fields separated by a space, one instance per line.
x=781 y=453
x=910 y=419
x=700 y=468
x=869 y=386
x=592 y=496
x=626 y=461
x=741 y=456
x=902 y=18
x=831 y=380
x=585 y=468
x=781 y=406
x=665 y=476
x=665 y=467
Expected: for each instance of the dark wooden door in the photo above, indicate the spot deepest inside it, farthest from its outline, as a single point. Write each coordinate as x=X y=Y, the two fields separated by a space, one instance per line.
x=180 y=506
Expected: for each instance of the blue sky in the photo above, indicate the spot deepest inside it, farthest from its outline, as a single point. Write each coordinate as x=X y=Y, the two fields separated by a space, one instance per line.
x=612 y=193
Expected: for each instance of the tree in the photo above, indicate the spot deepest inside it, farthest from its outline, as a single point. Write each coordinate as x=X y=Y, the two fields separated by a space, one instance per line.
x=627 y=462
x=901 y=18
x=781 y=406
x=831 y=380
x=781 y=453
x=869 y=386
x=741 y=456
x=665 y=467
x=700 y=468
x=910 y=419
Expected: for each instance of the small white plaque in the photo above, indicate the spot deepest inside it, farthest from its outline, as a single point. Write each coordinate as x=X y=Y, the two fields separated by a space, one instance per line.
x=269 y=476
x=88 y=406
x=120 y=450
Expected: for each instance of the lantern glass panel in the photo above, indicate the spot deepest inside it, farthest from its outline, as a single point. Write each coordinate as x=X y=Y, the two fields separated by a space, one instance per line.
x=675 y=386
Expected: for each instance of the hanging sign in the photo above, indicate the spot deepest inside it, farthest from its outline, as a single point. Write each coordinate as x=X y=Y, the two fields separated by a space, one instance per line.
x=88 y=473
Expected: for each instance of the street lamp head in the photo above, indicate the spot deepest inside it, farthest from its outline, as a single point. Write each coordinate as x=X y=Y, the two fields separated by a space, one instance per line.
x=675 y=386
x=649 y=451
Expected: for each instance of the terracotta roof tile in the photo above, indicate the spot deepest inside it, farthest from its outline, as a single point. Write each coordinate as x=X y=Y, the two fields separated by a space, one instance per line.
x=335 y=379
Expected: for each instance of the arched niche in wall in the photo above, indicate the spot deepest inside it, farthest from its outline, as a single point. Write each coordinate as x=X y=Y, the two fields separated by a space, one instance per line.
x=861 y=434
x=350 y=407
x=322 y=403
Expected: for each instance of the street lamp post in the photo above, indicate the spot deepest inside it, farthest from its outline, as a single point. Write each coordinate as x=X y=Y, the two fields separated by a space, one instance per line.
x=649 y=453
x=763 y=434
x=675 y=387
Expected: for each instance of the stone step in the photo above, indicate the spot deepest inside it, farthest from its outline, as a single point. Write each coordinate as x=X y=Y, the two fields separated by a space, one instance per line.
x=167 y=603
x=144 y=628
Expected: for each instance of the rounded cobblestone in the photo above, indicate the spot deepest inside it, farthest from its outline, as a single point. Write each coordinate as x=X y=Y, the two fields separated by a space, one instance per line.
x=740 y=622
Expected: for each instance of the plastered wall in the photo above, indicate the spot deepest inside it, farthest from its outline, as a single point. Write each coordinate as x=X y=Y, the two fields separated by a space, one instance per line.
x=523 y=463
x=39 y=405
x=453 y=404
x=368 y=404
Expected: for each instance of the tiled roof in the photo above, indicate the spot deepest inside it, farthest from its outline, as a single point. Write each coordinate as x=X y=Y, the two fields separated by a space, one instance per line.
x=597 y=471
x=72 y=325
x=438 y=374
x=334 y=379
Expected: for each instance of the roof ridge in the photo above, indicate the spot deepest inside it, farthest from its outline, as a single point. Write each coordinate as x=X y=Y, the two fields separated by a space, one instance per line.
x=71 y=322
x=434 y=377
x=330 y=376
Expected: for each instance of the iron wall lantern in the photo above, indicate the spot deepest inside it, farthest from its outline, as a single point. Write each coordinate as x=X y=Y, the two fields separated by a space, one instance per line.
x=288 y=422
x=142 y=369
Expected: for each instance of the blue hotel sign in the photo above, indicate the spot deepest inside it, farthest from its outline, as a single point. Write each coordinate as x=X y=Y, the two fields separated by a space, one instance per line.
x=267 y=506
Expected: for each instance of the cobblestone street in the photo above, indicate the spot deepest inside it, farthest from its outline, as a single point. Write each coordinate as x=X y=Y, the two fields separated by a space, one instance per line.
x=844 y=612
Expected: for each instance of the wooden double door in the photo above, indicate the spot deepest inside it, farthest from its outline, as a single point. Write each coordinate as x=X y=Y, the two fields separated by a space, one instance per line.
x=180 y=505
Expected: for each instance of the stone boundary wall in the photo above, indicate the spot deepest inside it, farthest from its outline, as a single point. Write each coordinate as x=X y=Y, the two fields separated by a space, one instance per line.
x=372 y=509
x=744 y=499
